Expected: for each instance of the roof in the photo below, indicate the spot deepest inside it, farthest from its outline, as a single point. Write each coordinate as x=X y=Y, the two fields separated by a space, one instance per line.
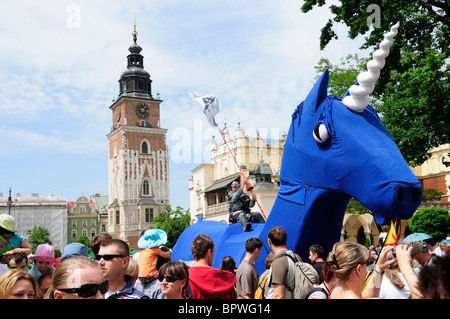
x=82 y=199
x=262 y=168
x=147 y=201
x=115 y=203
x=100 y=201
x=223 y=183
x=34 y=200
x=265 y=185
x=71 y=205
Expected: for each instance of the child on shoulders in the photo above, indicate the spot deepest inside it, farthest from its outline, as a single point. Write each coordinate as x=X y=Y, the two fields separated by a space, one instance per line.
x=43 y=259
x=8 y=231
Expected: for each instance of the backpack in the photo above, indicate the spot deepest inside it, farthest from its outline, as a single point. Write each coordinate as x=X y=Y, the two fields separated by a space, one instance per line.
x=305 y=276
x=317 y=289
x=259 y=293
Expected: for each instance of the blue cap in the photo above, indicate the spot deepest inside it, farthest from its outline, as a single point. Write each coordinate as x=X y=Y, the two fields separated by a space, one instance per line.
x=74 y=249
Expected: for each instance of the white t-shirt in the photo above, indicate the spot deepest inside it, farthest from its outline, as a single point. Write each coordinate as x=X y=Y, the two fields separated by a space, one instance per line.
x=389 y=291
x=437 y=251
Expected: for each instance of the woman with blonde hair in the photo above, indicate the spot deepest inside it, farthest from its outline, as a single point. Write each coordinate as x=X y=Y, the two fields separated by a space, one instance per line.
x=77 y=277
x=18 y=284
x=394 y=285
x=350 y=266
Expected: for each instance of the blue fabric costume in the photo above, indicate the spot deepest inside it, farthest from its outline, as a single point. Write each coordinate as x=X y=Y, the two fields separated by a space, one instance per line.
x=332 y=153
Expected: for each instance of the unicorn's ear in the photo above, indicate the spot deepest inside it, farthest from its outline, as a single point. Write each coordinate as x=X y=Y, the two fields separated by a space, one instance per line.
x=318 y=93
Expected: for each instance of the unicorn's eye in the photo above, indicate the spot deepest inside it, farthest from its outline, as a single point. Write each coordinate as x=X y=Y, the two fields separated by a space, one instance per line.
x=320 y=133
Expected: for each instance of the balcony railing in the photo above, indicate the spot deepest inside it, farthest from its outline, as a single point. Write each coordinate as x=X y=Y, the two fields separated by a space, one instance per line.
x=217 y=209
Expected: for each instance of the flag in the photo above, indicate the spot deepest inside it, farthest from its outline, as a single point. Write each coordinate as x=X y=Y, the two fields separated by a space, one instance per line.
x=392 y=238
x=393 y=234
x=210 y=106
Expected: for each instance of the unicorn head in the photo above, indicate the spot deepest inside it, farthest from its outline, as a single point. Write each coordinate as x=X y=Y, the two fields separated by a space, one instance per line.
x=337 y=148
x=341 y=144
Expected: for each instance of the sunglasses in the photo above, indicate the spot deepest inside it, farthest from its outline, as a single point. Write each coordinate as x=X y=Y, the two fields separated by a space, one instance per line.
x=88 y=290
x=107 y=257
x=168 y=278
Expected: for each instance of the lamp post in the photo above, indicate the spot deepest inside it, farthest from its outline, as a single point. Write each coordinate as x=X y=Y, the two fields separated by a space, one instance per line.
x=9 y=202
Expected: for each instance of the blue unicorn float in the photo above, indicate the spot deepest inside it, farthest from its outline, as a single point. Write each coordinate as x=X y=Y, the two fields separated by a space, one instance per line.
x=336 y=148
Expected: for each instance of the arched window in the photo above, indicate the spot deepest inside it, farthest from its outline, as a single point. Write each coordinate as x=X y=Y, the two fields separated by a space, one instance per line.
x=144 y=148
x=145 y=187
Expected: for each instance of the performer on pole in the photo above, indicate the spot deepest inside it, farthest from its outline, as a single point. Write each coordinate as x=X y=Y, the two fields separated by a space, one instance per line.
x=240 y=206
x=210 y=106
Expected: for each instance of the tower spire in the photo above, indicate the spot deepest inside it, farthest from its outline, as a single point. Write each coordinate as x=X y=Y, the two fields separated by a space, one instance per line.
x=135 y=81
x=134 y=33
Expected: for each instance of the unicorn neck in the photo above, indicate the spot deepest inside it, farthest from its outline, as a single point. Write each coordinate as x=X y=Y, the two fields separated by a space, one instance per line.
x=309 y=215
x=329 y=199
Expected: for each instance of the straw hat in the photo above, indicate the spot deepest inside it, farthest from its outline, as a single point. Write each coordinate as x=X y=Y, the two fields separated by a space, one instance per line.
x=7 y=222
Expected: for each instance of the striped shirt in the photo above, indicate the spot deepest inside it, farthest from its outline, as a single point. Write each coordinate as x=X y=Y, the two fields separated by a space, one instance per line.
x=127 y=292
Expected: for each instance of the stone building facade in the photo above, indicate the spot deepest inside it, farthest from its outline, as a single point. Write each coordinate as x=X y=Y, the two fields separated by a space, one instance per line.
x=434 y=173
x=210 y=183
x=82 y=219
x=34 y=210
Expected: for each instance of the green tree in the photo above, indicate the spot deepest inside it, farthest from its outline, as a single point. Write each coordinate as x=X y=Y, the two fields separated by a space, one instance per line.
x=413 y=87
x=85 y=241
x=430 y=194
x=343 y=75
x=432 y=221
x=355 y=207
x=173 y=222
x=38 y=235
x=416 y=105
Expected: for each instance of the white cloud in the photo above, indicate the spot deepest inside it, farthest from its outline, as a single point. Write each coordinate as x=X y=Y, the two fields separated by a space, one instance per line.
x=62 y=61
x=16 y=141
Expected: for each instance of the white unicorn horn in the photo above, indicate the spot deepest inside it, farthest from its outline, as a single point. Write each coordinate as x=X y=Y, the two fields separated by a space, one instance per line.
x=358 y=97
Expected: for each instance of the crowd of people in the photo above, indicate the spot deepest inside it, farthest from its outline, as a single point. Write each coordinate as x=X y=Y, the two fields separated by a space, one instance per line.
x=349 y=271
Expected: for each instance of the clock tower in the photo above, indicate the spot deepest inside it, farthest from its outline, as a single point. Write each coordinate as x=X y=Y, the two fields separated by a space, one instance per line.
x=138 y=163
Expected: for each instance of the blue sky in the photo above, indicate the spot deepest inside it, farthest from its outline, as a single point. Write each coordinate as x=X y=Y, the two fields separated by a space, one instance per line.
x=61 y=60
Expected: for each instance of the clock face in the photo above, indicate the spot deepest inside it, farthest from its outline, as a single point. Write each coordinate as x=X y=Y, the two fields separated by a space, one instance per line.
x=117 y=113
x=142 y=110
